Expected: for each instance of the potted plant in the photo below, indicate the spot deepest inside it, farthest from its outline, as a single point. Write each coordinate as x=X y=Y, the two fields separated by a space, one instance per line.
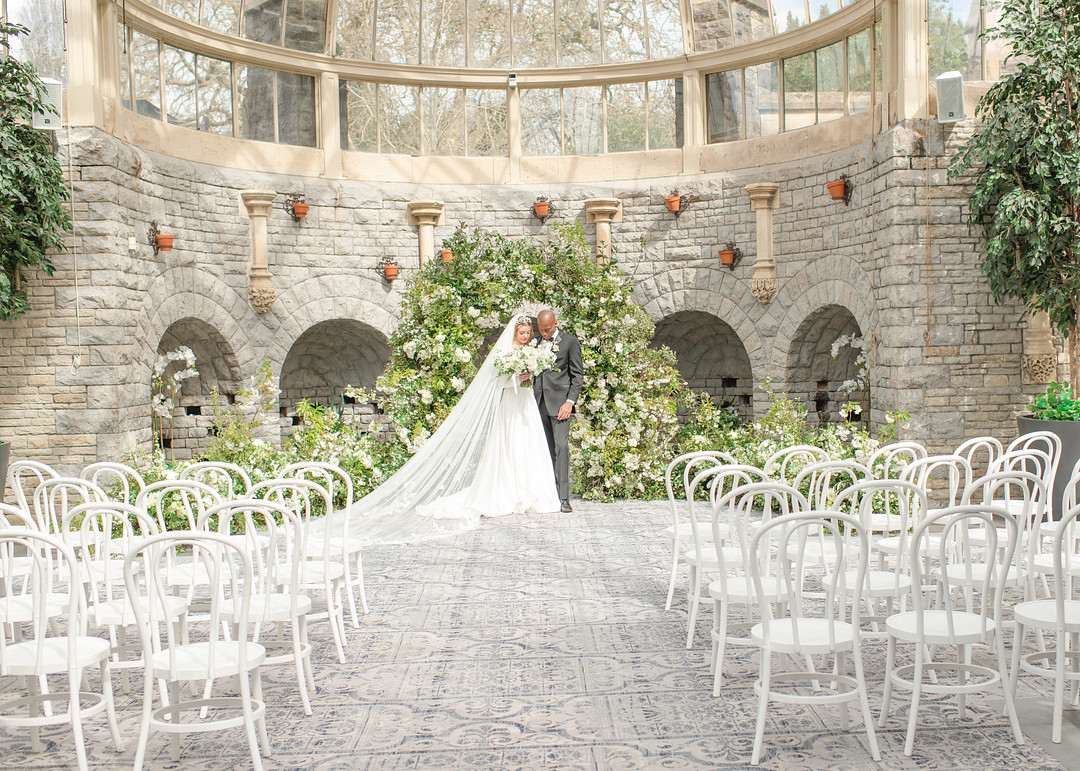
x=164 y=241
x=33 y=192
x=1057 y=411
x=300 y=209
x=673 y=201
x=540 y=207
x=730 y=255
x=388 y=268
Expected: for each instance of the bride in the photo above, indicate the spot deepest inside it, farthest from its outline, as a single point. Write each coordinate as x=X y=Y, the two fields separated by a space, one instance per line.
x=488 y=458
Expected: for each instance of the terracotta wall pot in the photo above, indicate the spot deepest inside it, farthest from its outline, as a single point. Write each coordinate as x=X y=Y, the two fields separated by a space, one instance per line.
x=164 y=242
x=727 y=257
x=836 y=189
x=390 y=272
x=300 y=210
x=541 y=208
x=447 y=255
x=672 y=202
x=1069 y=433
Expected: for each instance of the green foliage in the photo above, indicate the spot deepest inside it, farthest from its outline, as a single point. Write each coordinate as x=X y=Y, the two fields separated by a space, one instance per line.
x=33 y=218
x=1058 y=403
x=1026 y=160
x=948 y=40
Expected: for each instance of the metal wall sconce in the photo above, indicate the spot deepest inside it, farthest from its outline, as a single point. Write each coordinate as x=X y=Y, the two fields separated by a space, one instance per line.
x=840 y=189
x=296 y=206
x=387 y=268
x=543 y=208
x=677 y=203
x=160 y=241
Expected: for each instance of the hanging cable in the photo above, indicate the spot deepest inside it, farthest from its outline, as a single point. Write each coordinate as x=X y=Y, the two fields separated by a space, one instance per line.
x=76 y=358
x=926 y=144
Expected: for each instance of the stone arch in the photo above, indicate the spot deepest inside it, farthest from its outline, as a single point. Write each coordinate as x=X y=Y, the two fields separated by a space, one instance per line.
x=325 y=359
x=711 y=357
x=187 y=432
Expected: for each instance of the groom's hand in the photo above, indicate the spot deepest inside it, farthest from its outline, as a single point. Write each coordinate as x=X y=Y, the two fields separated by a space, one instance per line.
x=523 y=377
x=565 y=410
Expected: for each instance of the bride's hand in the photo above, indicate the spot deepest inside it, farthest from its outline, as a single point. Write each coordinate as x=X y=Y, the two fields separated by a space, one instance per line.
x=523 y=377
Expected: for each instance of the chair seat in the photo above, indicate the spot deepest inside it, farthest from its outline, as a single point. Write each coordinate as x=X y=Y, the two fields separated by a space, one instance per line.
x=877 y=583
x=957 y=574
x=1043 y=614
x=1044 y=563
x=19 y=609
x=312 y=571
x=813 y=635
x=733 y=558
x=120 y=613
x=193 y=662
x=21 y=658
x=968 y=627
x=740 y=589
x=272 y=607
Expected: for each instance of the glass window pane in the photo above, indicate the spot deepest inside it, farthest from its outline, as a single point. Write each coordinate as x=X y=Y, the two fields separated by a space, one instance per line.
x=624 y=30
x=255 y=93
x=723 y=101
x=800 y=107
x=954 y=44
x=486 y=122
x=397 y=31
x=147 y=75
x=583 y=123
x=262 y=21
x=444 y=33
x=578 y=32
x=214 y=93
x=750 y=20
x=222 y=16
x=125 y=69
x=489 y=33
x=305 y=25
x=355 y=19
x=830 y=82
x=626 y=117
x=534 y=34
x=664 y=119
x=859 y=63
x=665 y=29
x=188 y=10
x=44 y=46
x=878 y=77
x=356 y=103
x=712 y=24
x=819 y=9
x=788 y=14
x=296 y=122
x=399 y=119
x=762 y=100
x=180 y=87
x=444 y=121
x=541 y=122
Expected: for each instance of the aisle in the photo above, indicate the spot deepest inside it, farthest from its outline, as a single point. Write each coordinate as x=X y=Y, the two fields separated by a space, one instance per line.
x=542 y=643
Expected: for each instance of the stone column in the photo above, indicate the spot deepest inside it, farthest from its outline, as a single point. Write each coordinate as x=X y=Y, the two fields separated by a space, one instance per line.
x=763 y=284
x=259 y=204
x=1038 y=363
x=425 y=215
x=602 y=212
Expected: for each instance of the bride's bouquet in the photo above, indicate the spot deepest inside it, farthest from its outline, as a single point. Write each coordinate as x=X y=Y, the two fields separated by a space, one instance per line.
x=524 y=359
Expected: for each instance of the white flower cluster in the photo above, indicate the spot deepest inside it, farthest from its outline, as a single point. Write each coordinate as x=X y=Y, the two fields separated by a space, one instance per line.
x=524 y=359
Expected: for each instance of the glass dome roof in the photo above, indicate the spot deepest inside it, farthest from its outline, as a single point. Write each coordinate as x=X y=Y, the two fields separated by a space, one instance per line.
x=501 y=34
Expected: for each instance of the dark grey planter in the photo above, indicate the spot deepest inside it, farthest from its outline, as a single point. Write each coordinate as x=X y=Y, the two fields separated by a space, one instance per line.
x=1069 y=433
x=5 y=455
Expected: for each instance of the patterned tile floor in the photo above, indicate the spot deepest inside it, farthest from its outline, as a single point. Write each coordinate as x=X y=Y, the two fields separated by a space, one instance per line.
x=542 y=643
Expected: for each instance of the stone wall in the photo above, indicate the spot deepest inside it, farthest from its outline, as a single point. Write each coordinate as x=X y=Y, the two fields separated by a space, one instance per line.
x=75 y=373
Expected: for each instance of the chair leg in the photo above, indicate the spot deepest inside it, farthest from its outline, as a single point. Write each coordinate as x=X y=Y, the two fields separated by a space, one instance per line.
x=74 y=714
x=674 y=572
x=1003 y=673
x=260 y=724
x=963 y=656
x=302 y=623
x=864 y=704
x=249 y=719
x=1059 y=689
x=349 y=583
x=359 y=564
x=174 y=699
x=886 y=697
x=110 y=707
x=1019 y=632
x=763 y=705
x=916 y=694
x=298 y=661
x=719 y=644
x=144 y=728
x=837 y=669
x=694 y=593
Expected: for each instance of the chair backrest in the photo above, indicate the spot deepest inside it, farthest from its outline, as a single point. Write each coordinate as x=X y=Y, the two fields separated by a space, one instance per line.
x=54 y=497
x=229 y=479
x=13 y=516
x=744 y=506
x=885 y=507
x=30 y=561
x=24 y=476
x=177 y=504
x=107 y=533
x=981 y=567
x=227 y=564
x=1050 y=443
x=844 y=579
x=302 y=498
x=122 y=482
x=330 y=475
x=889 y=461
x=783 y=465
x=980 y=453
x=949 y=474
x=1066 y=560
x=820 y=482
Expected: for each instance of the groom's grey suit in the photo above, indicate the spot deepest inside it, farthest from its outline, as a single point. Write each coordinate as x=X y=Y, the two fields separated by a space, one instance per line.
x=553 y=388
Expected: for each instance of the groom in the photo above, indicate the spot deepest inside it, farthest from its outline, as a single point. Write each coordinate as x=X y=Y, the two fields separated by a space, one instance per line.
x=556 y=391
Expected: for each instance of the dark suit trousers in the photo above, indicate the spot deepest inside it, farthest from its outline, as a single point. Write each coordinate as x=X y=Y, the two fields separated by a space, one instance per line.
x=558 y=439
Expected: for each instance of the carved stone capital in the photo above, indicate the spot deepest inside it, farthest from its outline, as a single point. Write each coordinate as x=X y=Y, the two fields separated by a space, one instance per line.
x=1038 y=367
x=764 y=290
x=603 y=210
x=259 y=203
x=762 y=195
x=261 y=297
x=424 y=212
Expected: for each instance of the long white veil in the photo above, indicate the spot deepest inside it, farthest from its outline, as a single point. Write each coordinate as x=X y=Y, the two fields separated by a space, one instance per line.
x=445 y=464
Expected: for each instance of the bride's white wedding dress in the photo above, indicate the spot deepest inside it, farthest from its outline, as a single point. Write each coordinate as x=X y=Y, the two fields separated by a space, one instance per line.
x=488 y=458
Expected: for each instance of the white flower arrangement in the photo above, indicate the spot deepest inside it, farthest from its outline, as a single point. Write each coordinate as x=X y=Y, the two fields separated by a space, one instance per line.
x=524 y=359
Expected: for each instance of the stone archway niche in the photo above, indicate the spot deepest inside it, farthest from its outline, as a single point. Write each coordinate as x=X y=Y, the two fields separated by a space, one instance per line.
x=813 y=376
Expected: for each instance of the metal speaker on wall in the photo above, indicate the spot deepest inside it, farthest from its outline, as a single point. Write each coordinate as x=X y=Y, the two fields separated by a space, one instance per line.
x=950 y=97
x=54 y=98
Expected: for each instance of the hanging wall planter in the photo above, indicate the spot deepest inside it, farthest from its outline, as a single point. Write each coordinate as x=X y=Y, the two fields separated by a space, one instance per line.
x=164 y=242
x=730 y=255
x=840 y=189
x=540 y=208
x=295 y=206
x=673 y=201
